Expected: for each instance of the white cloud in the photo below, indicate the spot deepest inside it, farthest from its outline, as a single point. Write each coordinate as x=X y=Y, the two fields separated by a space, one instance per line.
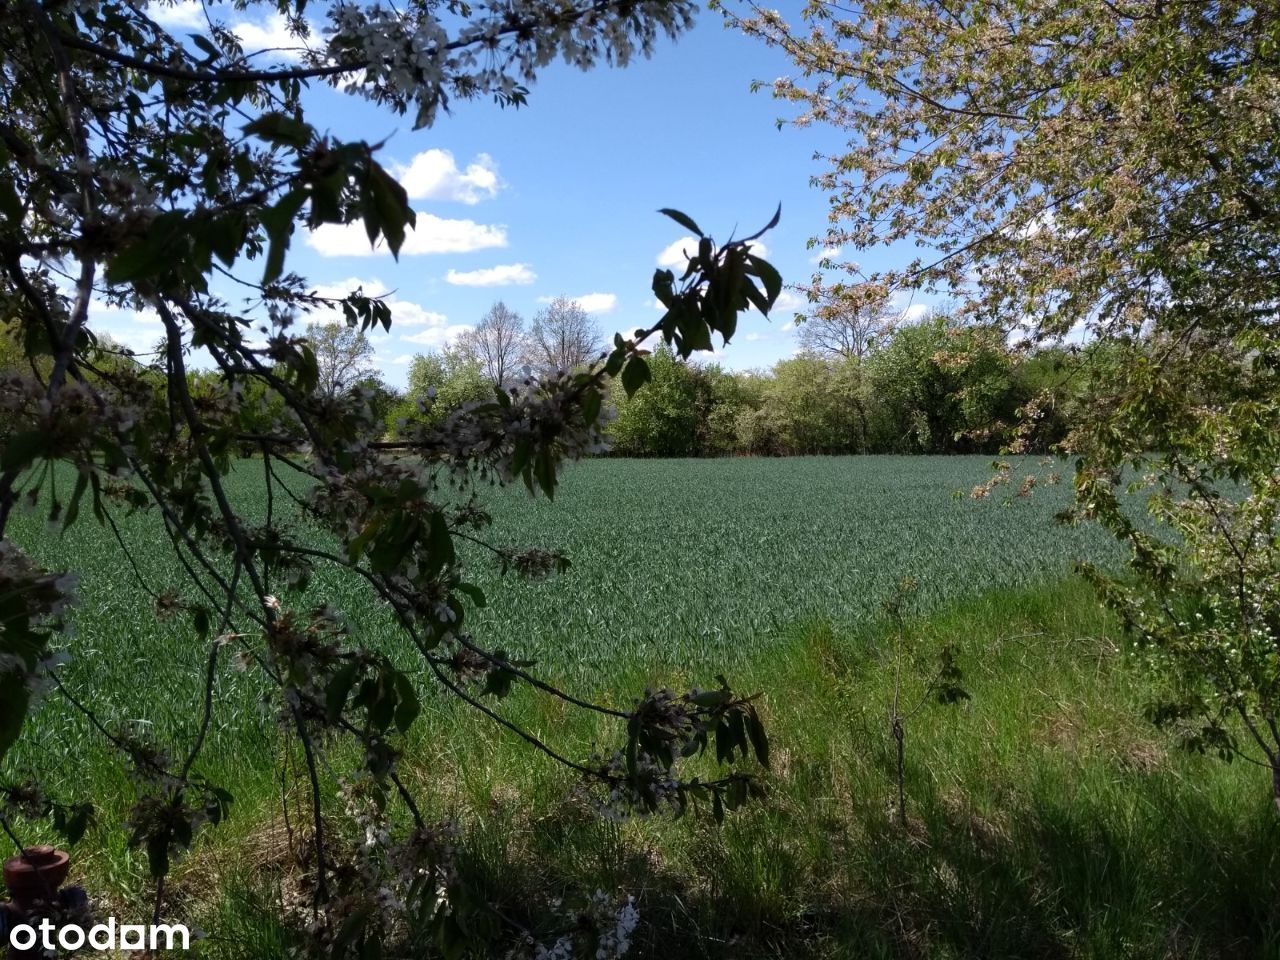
x=790 y=302
x=753 y=337
x=916 y=312
x=187 y=13
x=787 y=305
x=591 y=302
x=398 y=360
x=135 y=329
x=432 y=235
x=371 y=287
x=438 y=336
x=500 y=276
x=674 y=256
x=434 y=175
x=1043 y=222
x=404 y=313
x=826 y=253
x=271 y=34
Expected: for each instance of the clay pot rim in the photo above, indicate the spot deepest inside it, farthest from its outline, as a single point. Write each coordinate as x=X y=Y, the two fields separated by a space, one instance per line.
x=41 y=857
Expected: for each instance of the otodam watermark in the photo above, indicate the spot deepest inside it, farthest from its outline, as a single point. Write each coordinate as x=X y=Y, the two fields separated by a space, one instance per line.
x=102 y=937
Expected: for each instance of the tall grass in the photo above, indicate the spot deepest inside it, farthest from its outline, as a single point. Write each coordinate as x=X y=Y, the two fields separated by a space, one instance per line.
x=1044 y=817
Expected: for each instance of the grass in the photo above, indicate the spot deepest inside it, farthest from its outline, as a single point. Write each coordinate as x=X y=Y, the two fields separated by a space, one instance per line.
x=1045 y=819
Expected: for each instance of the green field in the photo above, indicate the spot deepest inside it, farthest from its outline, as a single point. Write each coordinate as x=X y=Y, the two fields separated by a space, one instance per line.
x=673 y=559
x=1046 y=818
x=690 y=564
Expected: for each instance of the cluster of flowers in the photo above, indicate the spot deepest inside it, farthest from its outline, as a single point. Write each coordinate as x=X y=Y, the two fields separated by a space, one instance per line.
x=536 y=414
x=409 y=57
x=605 y=925
x=46 y=597
x=71 y=422
x=649 y=786
x=385 y=885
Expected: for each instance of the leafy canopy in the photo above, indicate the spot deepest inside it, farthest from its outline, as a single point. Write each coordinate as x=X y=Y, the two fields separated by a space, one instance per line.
x=136 y=169
x=1109 y=171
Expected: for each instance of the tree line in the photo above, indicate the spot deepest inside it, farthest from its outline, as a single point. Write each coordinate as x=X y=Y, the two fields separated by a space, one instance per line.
x=862 y=382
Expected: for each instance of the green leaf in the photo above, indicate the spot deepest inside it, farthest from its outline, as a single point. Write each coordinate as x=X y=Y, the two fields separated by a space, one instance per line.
x=759 y=739
x=134 y=261
x=768 y=275
x=14 y=701
x=72 y=822
x=450 y=937
x=352 y=927
x=356 y=548
x=158 y=855
x=393 y=545
x=22 y=450
x=440 y=549
x=591 y=401
x=683 y=219
x=73 y=508
x=338 y=689
x=711 y=698
x=755 y=297
x=664 y=286
x=281 y=129
x=226 y=235
x=498 y=682
x=391 y=203
x=635 y=375
x=474 y=593
x=200 y=620
x=695 y=335
x=544 y=470
x=381 y=701
x=407 y=707
x=207 y=45
x=10 y=202
x=278 y=221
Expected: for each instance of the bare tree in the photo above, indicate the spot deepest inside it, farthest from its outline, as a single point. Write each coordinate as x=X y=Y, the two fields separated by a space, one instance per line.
x=847 y=321
x=342 y=355
x=564 y=336
x=498 y=343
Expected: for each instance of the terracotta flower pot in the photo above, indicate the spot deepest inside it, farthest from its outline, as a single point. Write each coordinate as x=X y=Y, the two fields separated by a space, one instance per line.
x=37 y=874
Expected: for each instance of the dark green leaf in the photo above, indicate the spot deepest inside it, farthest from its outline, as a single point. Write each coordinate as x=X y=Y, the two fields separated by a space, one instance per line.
x=683 y=219
x=158 y=855
x=591 y=401
x=338 y=689
x=759 y=739
x=407 y=706
x=768 y=275
x=21 y=450
x=474 y=593
x=14 y=701
x=282 y=129
x=440 y=549
x=635 y=375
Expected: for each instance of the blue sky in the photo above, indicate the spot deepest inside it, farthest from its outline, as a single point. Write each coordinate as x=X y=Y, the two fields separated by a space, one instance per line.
x=560 y=197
